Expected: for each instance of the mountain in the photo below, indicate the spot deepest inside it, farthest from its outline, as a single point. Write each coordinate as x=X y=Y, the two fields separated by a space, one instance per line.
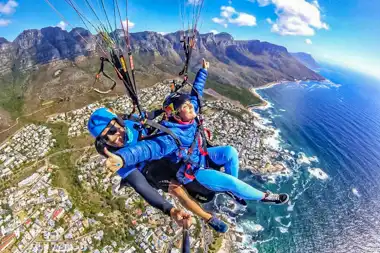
x=306 y=59
x=3 y=40
x=54 y=64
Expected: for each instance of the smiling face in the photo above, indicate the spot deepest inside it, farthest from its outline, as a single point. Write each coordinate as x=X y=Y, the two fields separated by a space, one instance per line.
x=114 y=134
x=186 y=112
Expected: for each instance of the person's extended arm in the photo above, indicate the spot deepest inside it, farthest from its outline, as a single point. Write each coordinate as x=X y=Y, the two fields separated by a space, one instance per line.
x=142 y=187
x=148 y=150
x=198 y=85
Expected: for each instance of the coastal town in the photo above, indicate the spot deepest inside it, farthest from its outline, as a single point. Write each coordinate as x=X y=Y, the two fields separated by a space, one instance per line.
x=71 y=203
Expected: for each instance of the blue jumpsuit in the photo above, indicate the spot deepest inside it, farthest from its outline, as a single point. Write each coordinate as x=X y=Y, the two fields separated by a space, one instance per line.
x=164 y=146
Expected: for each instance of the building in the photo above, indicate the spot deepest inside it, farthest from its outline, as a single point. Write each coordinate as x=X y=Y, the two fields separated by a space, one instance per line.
x=7 y=241
x=57 y=214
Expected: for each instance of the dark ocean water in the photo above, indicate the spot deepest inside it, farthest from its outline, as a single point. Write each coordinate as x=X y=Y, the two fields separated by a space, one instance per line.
x=340 y=126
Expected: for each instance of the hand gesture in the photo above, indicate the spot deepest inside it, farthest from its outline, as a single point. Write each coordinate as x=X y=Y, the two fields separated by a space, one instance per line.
x=182 y=218
x=113 y=162
x=205 y=64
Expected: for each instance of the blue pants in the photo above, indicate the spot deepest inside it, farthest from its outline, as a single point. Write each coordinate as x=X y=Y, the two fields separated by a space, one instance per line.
x=217 y=181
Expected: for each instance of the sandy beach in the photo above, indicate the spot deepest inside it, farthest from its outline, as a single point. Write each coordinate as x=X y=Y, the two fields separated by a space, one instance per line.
x=264 y=104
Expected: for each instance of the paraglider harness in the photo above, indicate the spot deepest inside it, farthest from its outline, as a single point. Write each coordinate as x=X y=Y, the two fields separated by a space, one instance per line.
x=153 y=129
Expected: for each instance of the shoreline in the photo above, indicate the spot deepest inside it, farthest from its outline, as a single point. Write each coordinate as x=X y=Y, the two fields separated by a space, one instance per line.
x=264 y=104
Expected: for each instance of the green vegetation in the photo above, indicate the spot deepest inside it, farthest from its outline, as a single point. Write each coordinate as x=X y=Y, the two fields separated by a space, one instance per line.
x=59 y=131
x=90 y=202
x=217 y=243
x=11 y=96
x=243 y=95
x=198 y=229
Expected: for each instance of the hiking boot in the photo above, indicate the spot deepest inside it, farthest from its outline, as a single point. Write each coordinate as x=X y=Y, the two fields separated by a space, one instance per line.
x=236 y=199
x=281 y=198
x=218 y=225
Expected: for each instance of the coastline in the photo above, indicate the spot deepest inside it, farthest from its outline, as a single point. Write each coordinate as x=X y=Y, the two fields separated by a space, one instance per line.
x=264 y=104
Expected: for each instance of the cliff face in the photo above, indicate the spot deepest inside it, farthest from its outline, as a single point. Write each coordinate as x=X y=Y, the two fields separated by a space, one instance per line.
x=54 y=64
x=34 y=47
x=306 y=59
x=244 y=63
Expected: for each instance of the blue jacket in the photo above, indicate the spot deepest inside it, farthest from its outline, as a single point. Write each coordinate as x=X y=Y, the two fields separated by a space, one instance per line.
x=165 y=145
x=126 y=170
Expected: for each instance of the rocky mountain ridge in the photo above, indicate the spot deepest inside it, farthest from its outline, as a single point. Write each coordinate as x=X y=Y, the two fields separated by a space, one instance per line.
x=242 y=63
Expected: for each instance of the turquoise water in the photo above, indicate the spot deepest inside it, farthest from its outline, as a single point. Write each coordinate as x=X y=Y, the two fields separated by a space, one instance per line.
x=339 y=123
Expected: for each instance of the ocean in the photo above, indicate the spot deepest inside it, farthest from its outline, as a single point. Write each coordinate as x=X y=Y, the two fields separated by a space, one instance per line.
x=335 y=199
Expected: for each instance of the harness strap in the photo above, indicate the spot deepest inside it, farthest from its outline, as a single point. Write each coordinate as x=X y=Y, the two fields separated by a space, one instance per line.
x=202 y=146
x=157 y=126
x=101 y=71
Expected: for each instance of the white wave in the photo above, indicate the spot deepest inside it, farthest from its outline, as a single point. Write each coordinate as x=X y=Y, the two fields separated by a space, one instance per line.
x=279 y=220
x=318 y=173
x=273 y=141
x=283 y=230
x=272 y=179
x=290 y=207
x=251 y=227
x=266 y=121
x=265 y=107
x=314 y=159
x=303 y=159
x=332 y=84
x=356 y=192
x=322 y=86
x=282 y=110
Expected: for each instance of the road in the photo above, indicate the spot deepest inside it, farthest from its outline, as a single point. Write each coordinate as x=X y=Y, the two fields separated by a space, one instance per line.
x=18 y=118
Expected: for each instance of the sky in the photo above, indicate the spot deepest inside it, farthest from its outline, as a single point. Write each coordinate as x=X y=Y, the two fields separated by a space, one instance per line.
x=343 y=32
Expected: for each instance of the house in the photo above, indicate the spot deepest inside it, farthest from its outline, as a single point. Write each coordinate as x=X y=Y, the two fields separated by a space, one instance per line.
x=7 y=241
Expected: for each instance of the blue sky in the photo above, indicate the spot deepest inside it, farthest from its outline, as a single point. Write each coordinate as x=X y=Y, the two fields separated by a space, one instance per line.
x=346 y=32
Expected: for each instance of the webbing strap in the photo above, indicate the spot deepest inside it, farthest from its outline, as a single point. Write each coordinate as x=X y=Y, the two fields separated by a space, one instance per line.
x=101 y=71
x=157 y=126
x=188 y=48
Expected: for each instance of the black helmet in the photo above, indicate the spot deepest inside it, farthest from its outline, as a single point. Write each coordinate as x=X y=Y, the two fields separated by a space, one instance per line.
x=173 y=102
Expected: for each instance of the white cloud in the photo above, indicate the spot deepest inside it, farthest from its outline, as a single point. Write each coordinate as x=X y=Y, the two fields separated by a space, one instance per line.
x=62 y=25
x=308 y=41
x=296 y=17
x=4 y=22
x=269 y=21
x=162 y=33
x=9 y=7
x=130 y=24
x=220 y=21
x=230 y=16
x=214 y=31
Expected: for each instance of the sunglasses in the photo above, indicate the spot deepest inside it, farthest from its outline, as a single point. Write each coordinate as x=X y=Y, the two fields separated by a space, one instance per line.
x=112 y=131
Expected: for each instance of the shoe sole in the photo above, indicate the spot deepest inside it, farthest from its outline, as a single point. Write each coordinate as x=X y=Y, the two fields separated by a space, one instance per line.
x=278 y=204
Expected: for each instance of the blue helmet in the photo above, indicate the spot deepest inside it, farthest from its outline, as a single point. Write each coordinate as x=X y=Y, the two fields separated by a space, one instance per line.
x=99 y=120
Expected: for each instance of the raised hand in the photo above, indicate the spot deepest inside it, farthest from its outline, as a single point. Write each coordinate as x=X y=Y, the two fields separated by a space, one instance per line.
x=113 y=162
x=205 y=64
x=182 y=218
